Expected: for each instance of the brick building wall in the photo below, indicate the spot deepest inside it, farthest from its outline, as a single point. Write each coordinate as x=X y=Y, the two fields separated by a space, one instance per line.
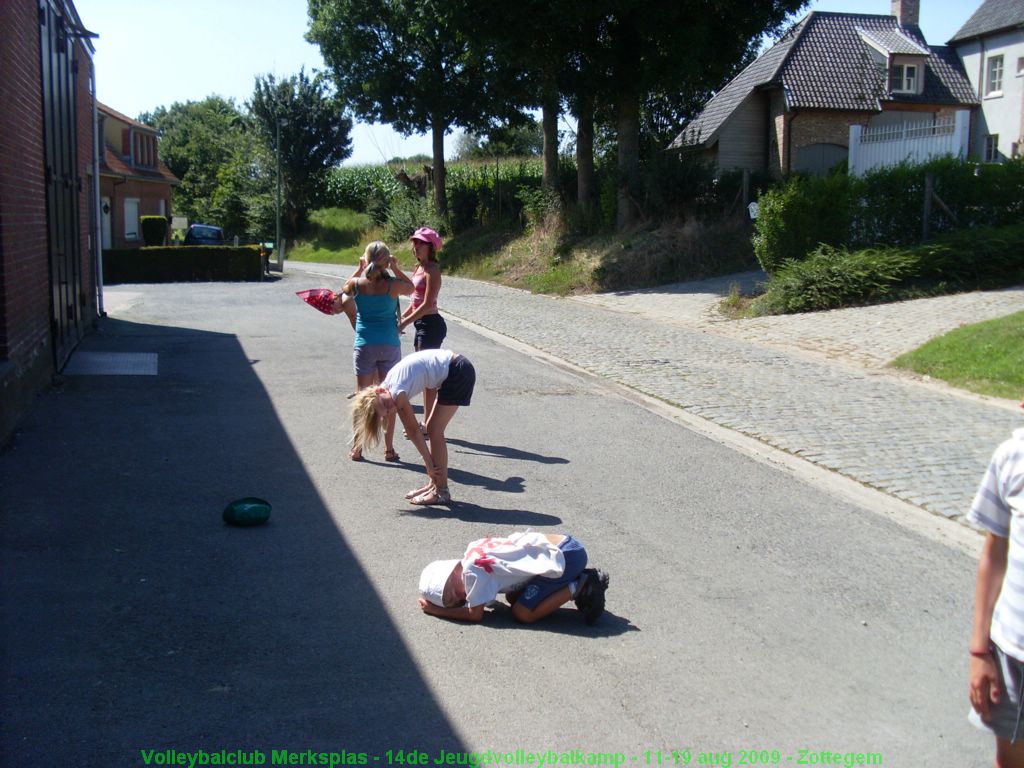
x=823 y=127
x=24 y=276
x=27 y=355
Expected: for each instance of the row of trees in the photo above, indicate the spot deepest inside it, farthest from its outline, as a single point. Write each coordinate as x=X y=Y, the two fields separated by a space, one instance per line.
x=624 y=67
x=630 y=75
x=226 y=156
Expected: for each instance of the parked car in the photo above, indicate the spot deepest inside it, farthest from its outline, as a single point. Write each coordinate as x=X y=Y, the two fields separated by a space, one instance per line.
x=204 y=234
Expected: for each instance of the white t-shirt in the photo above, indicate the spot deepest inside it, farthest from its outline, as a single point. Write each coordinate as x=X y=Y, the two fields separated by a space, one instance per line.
x=998 y=507
x=495 y=565
x=420 y=370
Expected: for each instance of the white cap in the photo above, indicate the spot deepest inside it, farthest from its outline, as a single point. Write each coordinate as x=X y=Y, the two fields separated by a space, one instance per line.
x=433 y=579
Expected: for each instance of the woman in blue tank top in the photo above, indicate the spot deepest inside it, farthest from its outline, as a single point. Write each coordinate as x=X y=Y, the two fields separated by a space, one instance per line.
x=377 y=345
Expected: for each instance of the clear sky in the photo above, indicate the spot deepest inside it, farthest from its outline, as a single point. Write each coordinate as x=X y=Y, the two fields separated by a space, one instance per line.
x=152 y=54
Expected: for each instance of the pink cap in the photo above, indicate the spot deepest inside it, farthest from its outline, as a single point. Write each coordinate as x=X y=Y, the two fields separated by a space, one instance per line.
x=427 y=235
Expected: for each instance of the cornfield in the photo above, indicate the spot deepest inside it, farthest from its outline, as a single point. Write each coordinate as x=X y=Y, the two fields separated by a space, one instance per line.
x=477 y=190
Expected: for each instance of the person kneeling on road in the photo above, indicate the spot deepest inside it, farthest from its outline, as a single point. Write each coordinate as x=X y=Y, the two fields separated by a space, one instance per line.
x=537 y=572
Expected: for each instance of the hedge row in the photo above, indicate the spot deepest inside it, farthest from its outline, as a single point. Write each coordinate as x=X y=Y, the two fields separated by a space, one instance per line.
x=984 y=257
x=883 y=208
x=183 y=264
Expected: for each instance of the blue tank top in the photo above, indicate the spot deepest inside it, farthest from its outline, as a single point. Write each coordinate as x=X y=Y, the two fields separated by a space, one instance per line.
x=376 y=320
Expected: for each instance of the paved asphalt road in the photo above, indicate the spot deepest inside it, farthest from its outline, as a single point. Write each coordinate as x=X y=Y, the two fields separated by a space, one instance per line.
x=749 y=609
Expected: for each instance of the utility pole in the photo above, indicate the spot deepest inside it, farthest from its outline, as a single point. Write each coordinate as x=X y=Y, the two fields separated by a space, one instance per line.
x=278 y=248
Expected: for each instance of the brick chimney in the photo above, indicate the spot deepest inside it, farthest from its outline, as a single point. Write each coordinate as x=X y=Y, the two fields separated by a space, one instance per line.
x=906 y=11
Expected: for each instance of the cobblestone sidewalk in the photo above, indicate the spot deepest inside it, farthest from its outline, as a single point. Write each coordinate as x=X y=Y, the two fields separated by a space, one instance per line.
x=811 y=385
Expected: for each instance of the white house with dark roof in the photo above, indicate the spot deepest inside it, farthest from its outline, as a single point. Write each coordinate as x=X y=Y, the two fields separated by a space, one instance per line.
x=991 y=46
x=792 y=108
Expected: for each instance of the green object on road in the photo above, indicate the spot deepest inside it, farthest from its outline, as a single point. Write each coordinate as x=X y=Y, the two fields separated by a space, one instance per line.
x=247 y=511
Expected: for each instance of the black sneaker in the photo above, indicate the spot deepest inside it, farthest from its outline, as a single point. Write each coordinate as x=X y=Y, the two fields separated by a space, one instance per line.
x=590 y=594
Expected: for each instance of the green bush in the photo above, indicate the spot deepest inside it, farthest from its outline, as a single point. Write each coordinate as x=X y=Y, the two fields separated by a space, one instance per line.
x=538 y=204
x=154 y=229
x=797 y=217
x=408 y=213
x=984 y=257
x=884 y=208
x=182 y=264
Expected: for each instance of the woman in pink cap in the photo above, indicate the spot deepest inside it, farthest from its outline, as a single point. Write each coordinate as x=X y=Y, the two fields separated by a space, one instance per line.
x=422 y=312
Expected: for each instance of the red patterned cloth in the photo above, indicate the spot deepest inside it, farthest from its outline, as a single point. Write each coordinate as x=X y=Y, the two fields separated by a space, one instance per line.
x=318 y=298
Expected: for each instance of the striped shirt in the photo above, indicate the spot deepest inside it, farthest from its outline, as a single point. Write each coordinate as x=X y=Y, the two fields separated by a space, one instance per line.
x=998 y=507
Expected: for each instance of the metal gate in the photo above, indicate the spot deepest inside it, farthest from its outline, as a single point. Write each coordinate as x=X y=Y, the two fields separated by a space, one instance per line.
x=63 y=182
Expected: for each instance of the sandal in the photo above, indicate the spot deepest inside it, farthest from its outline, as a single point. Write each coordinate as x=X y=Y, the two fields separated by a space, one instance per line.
x=356 y=454
x=416 y=492
x=391 y=456
x=432 y=497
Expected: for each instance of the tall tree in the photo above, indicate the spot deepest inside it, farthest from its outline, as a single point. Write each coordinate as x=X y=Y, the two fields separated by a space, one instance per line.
x=528 y=39
x=686 y=45
x=581 y=81
x=314 y=137
x=198 y=140
x=411 y=64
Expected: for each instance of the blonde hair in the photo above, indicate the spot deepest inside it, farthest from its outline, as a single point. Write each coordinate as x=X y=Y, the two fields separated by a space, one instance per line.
x=366 y=422
x=376 y=250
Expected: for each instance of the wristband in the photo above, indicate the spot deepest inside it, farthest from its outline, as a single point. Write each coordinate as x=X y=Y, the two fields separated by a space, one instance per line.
x=981 y=654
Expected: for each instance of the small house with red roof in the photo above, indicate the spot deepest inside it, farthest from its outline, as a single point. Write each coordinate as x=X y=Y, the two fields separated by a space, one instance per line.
x=133 y=181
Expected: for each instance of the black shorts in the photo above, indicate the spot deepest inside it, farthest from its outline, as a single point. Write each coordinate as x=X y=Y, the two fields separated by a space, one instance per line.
x=457 y=389
x=430 y=332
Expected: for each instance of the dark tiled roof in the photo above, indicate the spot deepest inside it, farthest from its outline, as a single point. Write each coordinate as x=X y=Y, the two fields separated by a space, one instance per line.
x=992 y=16
x=112 y=165
x=949 y=85
x=893 y=41
x=823 y=62
x=762 y=71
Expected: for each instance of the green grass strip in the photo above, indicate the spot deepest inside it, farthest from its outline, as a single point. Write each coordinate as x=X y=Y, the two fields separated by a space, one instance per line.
x=986 y=358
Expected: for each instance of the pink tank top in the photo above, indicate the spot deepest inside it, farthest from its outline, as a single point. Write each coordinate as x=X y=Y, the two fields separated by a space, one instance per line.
x=419 y=290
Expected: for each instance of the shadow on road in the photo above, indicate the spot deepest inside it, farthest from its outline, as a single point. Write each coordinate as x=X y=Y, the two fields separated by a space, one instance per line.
x=456 y=476
x=474 y=513
x=565 y=621
x=505 y=452
x=134 y=618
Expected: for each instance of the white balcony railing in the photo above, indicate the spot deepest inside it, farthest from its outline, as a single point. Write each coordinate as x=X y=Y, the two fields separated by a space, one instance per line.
x=907 y=142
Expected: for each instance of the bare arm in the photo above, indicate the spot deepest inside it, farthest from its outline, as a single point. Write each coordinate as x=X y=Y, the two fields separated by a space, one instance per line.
x=343 y=298
x=412 y=429
x=462 y=613
x=984 y=680
x=401 y=285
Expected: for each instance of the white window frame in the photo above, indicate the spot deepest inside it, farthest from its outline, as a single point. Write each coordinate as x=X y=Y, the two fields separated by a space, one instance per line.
x=131 y=220
x=992 y=148
x=994 y=76
x=905 y=78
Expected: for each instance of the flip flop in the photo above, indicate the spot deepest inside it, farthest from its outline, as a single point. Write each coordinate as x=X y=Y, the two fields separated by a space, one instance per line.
x=432 y=497
x=391 y=456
